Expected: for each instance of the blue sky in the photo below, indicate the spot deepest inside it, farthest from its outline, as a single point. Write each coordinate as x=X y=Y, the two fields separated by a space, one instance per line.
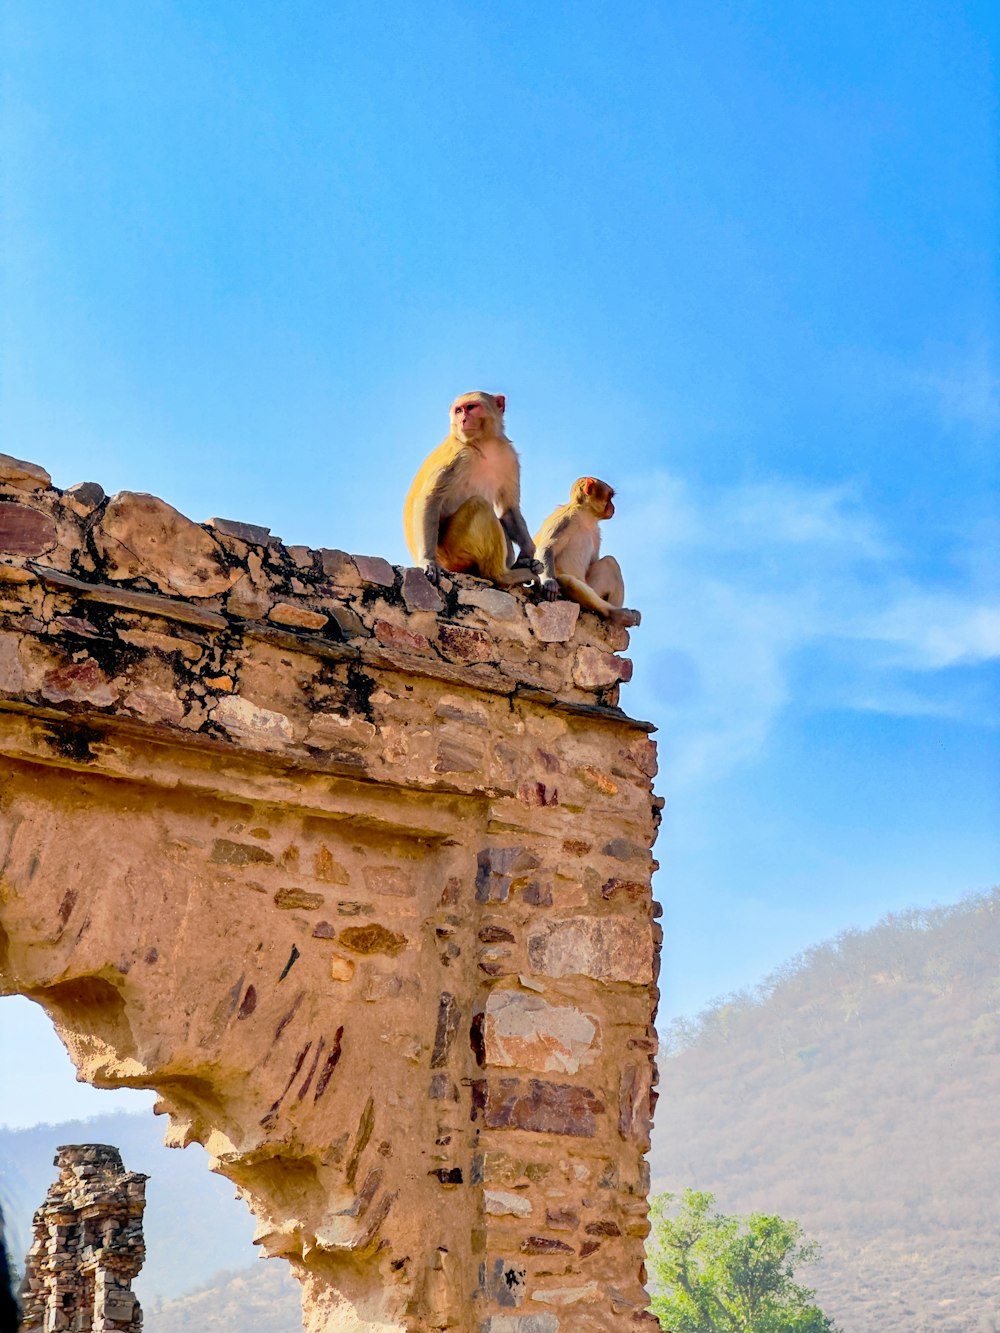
x=740 y=259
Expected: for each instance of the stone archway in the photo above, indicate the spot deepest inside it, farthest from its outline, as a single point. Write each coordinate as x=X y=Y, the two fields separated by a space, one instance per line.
x=355 y=875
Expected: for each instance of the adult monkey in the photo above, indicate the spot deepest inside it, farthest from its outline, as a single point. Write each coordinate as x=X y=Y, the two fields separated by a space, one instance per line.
x=463 y=511
x=569 y=547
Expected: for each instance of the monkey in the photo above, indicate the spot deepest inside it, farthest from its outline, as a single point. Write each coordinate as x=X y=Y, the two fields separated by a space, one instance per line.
x=568 y=545
x=463 y=511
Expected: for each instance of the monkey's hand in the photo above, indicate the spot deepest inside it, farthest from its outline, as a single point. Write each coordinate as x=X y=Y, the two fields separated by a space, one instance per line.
x=528 y=562
x=550 y=589
x=433 y=571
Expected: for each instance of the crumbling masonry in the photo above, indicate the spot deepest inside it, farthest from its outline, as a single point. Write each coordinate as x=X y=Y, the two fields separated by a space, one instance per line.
x=87 y=1246
x=356 y=874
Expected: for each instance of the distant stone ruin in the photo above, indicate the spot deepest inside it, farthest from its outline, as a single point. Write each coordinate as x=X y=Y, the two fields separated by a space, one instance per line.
x=87 y=1246
x=355 y=872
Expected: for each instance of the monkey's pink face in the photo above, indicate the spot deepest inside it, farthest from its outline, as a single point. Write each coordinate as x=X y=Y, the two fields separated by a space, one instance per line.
x=468 y=418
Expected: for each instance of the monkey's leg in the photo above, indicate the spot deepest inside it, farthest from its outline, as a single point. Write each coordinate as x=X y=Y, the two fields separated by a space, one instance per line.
x=473 y=539
x=605 y=577
x=578 y=591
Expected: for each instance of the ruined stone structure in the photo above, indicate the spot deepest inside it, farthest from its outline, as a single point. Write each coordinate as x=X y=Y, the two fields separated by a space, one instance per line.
x=356 y=874
x=87 y=1246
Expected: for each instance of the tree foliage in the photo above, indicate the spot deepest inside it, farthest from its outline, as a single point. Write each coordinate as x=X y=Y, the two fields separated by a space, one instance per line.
x=713 y=1273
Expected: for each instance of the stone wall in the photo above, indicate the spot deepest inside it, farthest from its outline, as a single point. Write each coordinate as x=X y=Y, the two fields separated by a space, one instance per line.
x=87 y=1246
x=356 y=874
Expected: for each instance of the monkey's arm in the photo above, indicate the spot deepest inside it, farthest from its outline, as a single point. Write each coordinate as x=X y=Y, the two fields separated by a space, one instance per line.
x=550 y=585
x=547 y=544
x=512 y=522
x=430 y=507
x=430 y=526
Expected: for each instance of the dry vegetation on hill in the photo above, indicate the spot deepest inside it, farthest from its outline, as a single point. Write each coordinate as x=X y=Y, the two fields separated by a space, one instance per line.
x=857 y=1091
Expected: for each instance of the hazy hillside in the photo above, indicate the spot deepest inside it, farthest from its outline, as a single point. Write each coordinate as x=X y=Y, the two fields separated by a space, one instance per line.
x=261 y=1299
x=858 y=1091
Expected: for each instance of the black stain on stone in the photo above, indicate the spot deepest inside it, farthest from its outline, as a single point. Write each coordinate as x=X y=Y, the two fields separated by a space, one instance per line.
x=329 y=1065
x=307 y=1082
x=504 y=1283
x=292 y=958
x=477 y=1040
x=284 y=1022
x=249 y=1003
x=365 y=1127
x=448 y=1175
x=449 y=1016
x=270 y=1115
x=361 y=687
x=74 y=741
x=235 y=991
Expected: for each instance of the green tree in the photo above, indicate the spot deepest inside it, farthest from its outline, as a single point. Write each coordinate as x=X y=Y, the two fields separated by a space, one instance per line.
x=717 y=1274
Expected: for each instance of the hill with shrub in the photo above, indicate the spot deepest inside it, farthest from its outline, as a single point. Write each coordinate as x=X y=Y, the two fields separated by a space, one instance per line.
x=856 y=1091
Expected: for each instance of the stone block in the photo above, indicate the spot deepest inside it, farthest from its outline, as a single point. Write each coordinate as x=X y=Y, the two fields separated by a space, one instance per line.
x=339 y=568
x=21 y=475
x=500 y=1203
x=374 y=570
x=463 y=644
x=25 y=531
x=604 y=948
x=84 y=497
x=449 y=1016
x=289 y=898
x=248 y=721
x=419 y=593
x=531 y=1104
x=251 y=533
x=341 y=969
x=498 y=605
x=79 y=682
x=545 y=1245
x=635 y=1115
x=586 y=1292
x=552 y=622
x=395 y=636
x=499 y=869
x=527 y=1032
x=298 y=617
x=372 y=938
x=594 y=669
x=622 y=849
x=140 y=536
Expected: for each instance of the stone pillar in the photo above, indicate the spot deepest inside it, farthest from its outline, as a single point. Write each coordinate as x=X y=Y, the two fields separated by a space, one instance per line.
x=87 y=1246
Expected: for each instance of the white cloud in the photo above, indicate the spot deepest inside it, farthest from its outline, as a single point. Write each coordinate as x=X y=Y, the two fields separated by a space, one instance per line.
x=740 y=586
x=968 y=392
x=930 y=631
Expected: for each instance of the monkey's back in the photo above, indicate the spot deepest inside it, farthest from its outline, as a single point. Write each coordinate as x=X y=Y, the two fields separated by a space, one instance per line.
x=457 y=472
x=434 y=473
x=574 y=540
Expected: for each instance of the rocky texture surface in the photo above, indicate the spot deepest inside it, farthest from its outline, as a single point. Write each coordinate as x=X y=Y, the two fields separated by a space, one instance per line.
x=355 y=873
x=87 y=1246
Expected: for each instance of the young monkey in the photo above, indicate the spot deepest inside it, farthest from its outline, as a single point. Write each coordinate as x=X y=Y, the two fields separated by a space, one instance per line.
x=463 y=511
x=569 y=545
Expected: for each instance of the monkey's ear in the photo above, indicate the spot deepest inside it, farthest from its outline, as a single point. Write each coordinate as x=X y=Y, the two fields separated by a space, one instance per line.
x=590 y=485
x=501 y=401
